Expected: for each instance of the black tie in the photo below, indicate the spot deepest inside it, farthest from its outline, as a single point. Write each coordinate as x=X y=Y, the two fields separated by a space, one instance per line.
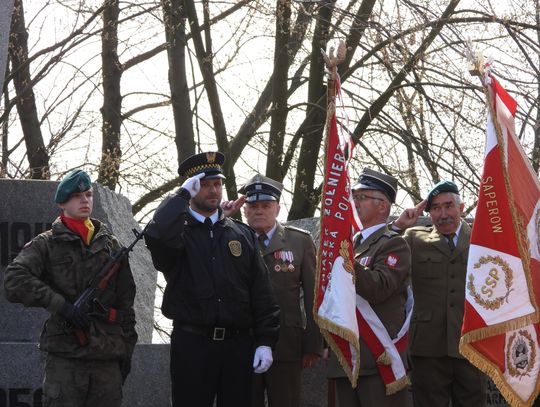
x=262 y=239
x=450 y=238
x=208 y=222
x=358 y=240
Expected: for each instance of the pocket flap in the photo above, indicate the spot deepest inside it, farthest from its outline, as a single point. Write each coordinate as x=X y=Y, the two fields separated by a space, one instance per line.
x=422 y=316
x=431 y=257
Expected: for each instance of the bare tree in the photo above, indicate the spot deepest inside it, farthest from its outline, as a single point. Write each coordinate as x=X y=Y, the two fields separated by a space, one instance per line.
x=38 y=158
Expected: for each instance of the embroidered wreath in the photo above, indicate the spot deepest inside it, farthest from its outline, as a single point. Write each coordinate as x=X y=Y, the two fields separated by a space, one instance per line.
x=512 y=347
x=508 y=280
x=344 y=252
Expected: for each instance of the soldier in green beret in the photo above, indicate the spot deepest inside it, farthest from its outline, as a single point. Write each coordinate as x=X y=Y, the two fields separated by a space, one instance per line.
x=51 y=271
x=440 y=374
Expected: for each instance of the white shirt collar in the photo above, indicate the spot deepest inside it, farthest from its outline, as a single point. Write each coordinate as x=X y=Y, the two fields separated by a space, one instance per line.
x=456 y=236
x=269 y=234
x=367 y=232
x=214 y=217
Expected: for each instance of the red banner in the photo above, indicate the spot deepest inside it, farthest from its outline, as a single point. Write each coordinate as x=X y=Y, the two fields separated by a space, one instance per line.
x=335 y=296
x=500 y=330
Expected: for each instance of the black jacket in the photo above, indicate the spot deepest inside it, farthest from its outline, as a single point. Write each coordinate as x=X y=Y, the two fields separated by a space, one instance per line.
x=215 y=277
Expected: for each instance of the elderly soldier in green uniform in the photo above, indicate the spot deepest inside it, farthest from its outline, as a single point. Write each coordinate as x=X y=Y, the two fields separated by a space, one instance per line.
x=218 y=293
x=439 y=266
x=289 y=254
x=51 y=271
x=382 y=270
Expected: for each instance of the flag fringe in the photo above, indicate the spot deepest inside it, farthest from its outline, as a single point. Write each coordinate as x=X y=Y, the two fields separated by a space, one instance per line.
x=328 y=328
x=490 y=369
x=499 y=329
x=397 y=385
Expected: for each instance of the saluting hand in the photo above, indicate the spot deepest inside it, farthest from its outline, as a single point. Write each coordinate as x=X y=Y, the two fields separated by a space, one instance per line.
x=409 y=216
x=231 y=207
x=193 y=184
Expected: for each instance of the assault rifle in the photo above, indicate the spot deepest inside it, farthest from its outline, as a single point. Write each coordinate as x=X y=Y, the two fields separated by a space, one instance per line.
x=88 y=301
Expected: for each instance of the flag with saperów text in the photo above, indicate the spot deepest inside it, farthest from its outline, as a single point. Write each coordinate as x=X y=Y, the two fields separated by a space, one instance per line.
x=500 y=325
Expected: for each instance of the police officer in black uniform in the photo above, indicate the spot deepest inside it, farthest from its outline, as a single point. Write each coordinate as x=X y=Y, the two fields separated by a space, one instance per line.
x=218 y=292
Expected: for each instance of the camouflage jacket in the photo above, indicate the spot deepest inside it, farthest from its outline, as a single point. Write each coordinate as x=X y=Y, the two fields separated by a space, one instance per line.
x=56 y=266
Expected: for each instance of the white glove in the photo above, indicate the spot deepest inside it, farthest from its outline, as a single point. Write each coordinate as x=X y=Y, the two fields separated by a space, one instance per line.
x=193 y=184
x=263 y=359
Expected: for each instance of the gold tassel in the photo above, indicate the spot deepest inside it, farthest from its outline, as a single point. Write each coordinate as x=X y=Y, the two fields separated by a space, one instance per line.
x=384 y=359
x=397 y=385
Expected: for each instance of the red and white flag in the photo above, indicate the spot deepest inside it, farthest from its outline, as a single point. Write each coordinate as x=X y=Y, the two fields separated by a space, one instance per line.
x=335 y=294
x=500 y=331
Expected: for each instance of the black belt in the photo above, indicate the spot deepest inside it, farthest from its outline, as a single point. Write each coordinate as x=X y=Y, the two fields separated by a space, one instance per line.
x=214 y=333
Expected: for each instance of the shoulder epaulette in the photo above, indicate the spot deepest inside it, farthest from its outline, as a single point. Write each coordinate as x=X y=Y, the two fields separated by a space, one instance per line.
x=422 y=228
x=294 y=228
x=390 y=233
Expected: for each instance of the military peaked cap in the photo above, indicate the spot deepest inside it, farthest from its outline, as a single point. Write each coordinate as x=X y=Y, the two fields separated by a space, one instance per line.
x=438 y=188
x=210 y=163
x=371 y=179
x=261 y=188
x=74 y=181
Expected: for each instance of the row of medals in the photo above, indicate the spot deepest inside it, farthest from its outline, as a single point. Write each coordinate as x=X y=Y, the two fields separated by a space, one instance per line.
x=287 y=258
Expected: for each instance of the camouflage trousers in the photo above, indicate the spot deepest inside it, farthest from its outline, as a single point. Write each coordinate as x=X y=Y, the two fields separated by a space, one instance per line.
x=81 y=383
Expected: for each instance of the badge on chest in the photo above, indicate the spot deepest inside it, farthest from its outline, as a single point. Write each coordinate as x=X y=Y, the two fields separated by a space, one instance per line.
x=365 y=261
x=284 y=261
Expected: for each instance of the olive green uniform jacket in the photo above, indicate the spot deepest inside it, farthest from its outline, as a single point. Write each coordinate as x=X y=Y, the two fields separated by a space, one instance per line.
x=298 y=333
x=438 y=283
x=382 y=266
x=56 y=266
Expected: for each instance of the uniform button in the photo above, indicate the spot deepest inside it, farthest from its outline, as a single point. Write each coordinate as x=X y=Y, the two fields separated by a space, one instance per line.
x=219 y=300
x=451 y=276
x=451 y=305
x=213 y=258
x=452 y=290
x=453 y=262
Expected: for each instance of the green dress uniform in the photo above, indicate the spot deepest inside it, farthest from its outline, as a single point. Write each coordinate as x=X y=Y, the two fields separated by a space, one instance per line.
x=384 y=285
x=440 y=373
x=290 y=258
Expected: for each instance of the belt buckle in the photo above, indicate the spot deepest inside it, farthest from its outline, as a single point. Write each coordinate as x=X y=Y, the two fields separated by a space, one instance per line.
x=219 y=334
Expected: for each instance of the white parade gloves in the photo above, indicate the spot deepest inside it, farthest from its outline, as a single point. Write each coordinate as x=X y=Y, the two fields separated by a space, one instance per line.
x=263 y=359
x=193 y=184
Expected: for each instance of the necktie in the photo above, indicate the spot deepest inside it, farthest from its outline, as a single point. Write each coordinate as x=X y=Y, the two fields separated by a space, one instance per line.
x=208 y=222
x=450 y=238
x=358 y=241
x=262 y=239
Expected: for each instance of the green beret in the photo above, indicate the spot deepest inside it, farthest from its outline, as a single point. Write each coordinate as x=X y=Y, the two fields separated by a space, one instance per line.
x=75 y=181
x=438 y=188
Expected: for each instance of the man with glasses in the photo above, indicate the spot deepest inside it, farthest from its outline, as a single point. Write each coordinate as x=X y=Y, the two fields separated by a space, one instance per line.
x=382 y=269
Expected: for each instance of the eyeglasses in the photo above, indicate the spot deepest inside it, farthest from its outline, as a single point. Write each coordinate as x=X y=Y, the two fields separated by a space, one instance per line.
x=363 y=197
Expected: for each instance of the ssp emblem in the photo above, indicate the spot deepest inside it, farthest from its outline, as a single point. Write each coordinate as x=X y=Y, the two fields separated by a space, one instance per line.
x=235 y=247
